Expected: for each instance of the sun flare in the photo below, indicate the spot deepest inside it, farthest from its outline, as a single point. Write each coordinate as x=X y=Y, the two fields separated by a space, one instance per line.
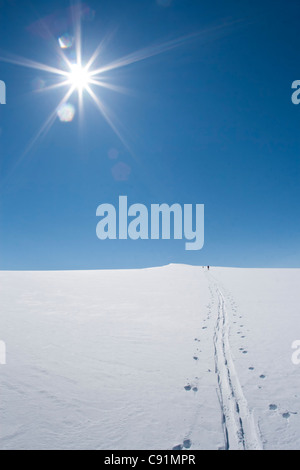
x=79 y=77
x=85 y=79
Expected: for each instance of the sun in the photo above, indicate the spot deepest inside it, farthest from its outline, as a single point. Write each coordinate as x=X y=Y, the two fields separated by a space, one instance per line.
x=79 y=77
x=82 y=75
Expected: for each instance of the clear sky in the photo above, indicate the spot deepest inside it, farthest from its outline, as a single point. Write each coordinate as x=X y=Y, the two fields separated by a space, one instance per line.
x=210 y=121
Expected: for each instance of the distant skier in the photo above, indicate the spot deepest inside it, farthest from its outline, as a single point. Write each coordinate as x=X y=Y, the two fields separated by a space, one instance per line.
x=207 y=268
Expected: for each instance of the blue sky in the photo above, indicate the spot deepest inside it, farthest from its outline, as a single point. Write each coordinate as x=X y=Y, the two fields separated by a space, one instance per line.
x=210 y=121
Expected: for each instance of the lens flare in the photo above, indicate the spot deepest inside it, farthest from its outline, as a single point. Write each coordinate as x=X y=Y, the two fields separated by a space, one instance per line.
x=78 y=73
x=65 y=41
x=66 y=112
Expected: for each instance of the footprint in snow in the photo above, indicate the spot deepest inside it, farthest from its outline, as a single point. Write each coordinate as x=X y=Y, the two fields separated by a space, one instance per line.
x=262 y=376
x=195 y=389
x=251 y=368
x=187 y=388
x=273 y=407
x=187 y=443
x=179 y=447
x=245 y=352
x=196 y=358
x=288 y=414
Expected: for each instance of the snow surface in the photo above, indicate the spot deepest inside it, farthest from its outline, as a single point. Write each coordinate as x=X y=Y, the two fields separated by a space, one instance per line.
x=150 y=359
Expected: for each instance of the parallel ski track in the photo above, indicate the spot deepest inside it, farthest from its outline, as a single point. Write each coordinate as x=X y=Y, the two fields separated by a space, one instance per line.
x=240 y=430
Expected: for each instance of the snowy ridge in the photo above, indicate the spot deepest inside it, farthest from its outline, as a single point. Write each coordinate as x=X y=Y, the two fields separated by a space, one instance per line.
x=238 y=422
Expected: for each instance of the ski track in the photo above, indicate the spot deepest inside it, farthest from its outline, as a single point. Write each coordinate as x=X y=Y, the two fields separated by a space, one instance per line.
x=239 y=428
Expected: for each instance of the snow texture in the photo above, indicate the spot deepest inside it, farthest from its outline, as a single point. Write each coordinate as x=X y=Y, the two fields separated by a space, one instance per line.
x=165 y=358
